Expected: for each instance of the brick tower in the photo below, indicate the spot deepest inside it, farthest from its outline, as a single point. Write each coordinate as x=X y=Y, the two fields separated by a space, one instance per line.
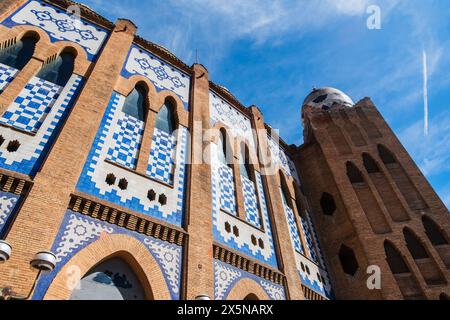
x=373 y=205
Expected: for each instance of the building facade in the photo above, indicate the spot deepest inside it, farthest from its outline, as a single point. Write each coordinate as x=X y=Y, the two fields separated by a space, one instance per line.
x=129 y=175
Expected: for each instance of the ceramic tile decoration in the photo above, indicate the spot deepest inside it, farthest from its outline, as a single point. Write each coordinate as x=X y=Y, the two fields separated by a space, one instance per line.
x=161 y=74
x=34 y=124
x=227 y=276
x=135 y=196
x=59 y=25
x=78 y=231
x=7 y=75
x=8 y=202
x=161 y=162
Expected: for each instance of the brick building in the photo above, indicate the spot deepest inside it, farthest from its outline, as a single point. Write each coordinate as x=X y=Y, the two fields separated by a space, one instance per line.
x=104 y=183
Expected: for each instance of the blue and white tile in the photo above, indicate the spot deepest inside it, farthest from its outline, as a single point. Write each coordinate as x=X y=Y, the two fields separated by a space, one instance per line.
x=251 y=202
x=93 y=178
x=239 y=126
x=243 y=242
x=227 y=276
x=8 y=202
x=311 y=278
x=281 y=159
x=227 y=193
x=34 y=147
x=32 y=105
x=293 y=229
x=161 y=162
x=7 y=75
x=161 y=74
x=59 y=25
x=78 y=231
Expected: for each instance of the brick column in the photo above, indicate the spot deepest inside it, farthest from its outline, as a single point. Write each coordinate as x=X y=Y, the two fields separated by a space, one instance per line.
x=280 y=226
x=199 y=252
x=40 y=217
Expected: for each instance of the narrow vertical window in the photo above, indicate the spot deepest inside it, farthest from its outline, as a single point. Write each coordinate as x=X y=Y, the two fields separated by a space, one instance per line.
x=134 y=104
x=18 y=55
x=164 y=118
x=59 y=70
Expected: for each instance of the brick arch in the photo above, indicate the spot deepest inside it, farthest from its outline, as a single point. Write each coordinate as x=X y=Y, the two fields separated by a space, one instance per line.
x=125 y=247
x=81 y=64
x=246 y=287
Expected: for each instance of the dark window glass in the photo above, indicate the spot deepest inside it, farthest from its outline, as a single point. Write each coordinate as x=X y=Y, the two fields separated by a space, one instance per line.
x=59 y=70
x=164 y=119
x=134 y=104
x=18 y=55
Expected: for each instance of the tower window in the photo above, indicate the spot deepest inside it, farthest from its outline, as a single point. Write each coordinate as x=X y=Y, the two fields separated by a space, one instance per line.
x=414 y=246
x=348 y=260
x=386 y=155
x=395 y=260
x=18 y=55
x=432 y=230
x=327 y=203
x=370 y=164
x=354 y=174
x=59 y=70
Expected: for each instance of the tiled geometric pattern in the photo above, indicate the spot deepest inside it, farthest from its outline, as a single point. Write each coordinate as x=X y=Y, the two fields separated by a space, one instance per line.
x=242 y=242
x=250 y=202
x=7 y=75
x=281 y=159
x=59 y=26
x=78 y=231
x=226 y=188
x=227 y=276
x=237 y=124
x=127 y=140
x=8 y=202
x=135 y=196
x=309 y=240
x=316 y=240
x=30 y=108
x=162 y=75
x=161 y=161
x=293 y=230
x=309 y=273
x=33 y=148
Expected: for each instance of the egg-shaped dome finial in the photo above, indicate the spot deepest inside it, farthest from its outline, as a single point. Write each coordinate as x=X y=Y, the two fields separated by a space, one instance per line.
x=327 y=98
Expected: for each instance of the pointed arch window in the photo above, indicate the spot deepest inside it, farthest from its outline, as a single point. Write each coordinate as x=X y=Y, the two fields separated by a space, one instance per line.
x=414 y=245
x=59 y=70
x=165 y=119
x=18 y=54
x=134 y=104
x=395 y=260
x=433 y=232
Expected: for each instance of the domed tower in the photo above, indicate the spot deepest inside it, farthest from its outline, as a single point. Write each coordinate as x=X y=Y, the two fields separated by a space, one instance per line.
x=376 y=214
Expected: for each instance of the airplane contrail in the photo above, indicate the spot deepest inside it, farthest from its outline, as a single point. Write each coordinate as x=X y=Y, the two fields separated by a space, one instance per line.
x=425 y=93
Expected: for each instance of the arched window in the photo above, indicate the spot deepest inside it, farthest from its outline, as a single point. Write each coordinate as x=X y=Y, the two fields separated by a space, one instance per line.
x=250 y=297
x=18 y=55
x=433 y=232
x=59 y=70
x=164 y=118
x=370 y=164
x=224 y=148
x=110 y=280
x=134 y=104
x=354 y=174
x=414 y=246
x=395 y=260
x=386 y=155
x=244 y=163
x=285 y=192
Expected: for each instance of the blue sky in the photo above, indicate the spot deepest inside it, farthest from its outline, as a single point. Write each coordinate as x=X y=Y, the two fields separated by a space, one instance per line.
x=271 y=53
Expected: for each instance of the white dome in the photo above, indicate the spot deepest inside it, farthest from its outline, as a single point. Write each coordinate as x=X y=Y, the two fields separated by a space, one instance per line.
x=328 y=98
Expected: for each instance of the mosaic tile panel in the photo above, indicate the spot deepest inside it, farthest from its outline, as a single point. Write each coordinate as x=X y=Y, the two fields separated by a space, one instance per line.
x=161 y=162
x=250 y=202
x=7 y=75
x=33 y=149
x=227 y=276
x=8 y=202
x=248 y=239
x=161 y=74
x=127 y=141
x=226 y=189
x=281 y=159
x=78 y=231
x=293 y=230
x=309 y=240
x=135 y=197
x=32 y=105
x=59 y=25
